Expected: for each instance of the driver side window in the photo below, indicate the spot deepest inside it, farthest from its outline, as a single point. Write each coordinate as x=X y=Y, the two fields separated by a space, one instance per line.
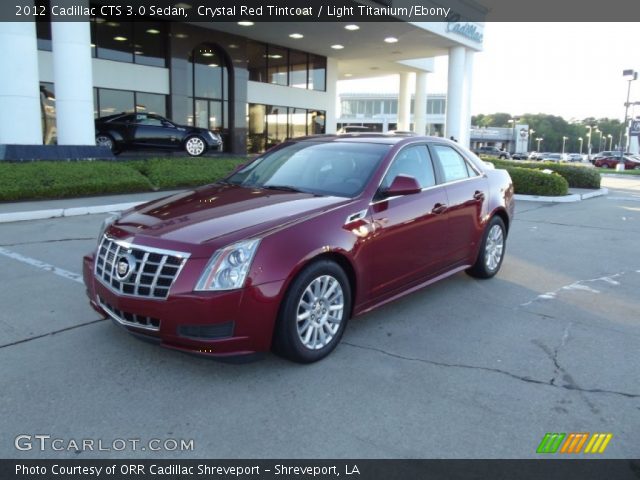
x=413 y=161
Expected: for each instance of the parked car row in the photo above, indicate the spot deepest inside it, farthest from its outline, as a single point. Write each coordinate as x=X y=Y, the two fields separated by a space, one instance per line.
x=494 y=152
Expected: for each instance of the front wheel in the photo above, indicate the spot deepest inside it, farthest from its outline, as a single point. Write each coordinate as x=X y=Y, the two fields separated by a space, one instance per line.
x=491 y=250
x=314 y=313
x=194 y=146
x=103 y=140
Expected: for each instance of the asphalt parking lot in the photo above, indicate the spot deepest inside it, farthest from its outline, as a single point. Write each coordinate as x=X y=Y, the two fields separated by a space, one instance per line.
x=463 y=369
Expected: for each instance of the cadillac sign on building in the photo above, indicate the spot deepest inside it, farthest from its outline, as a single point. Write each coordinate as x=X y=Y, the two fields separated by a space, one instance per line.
x=468 y=30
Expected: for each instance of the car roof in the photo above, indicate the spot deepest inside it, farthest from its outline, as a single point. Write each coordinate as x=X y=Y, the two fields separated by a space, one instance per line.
x=384 y=138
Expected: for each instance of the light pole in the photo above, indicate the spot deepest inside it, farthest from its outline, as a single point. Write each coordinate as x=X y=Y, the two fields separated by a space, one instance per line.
x=590 y=127
x=630 y=75
x=600 y=142
x=531 y=132
x=512 y=121
x=580 y=139
x=564 y=139
x=610 y=137
x=539 y=139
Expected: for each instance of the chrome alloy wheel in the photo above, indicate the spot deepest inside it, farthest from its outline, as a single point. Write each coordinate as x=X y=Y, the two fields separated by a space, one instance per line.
x=104 y=141
x=320 y=312
x=195 y=146
x=494 y=248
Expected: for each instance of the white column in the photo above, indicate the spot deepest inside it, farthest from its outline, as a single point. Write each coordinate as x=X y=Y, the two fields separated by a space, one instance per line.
x=20 y=112
x=404 y=102
x=420 y=108
x=455 y=93
x=465 y=134
x=332 y=93
x=73 y=83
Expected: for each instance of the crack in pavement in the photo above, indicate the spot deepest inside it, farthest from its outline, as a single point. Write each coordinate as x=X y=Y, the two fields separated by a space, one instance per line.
x=62 y=330
x=573 y=225
x=46 y=241
x=571 y=387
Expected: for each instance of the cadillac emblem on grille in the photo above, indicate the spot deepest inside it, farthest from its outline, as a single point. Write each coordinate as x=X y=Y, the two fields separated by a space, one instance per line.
x=125 y=265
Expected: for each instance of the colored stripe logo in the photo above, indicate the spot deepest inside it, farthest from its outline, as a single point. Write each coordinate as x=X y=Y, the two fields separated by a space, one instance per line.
x=574 y=442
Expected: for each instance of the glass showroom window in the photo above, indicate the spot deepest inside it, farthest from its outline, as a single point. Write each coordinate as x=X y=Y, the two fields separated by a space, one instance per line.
x=114 y=39
x=151 y=103
x=297 y=122
x=48 y=113
x=208 y=89
x=297 y=69
x=277 y=128
x=111 y=102
x=277 y=61
x=315 y=122
x=257 y=56
x=150 y=43
x=317 y=73
x=257 y=121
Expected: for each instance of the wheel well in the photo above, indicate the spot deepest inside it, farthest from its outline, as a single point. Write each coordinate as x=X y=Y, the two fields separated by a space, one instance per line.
x=504 y=217
x=345 y=264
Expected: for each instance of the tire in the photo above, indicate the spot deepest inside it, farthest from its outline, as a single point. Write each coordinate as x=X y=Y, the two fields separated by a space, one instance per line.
x=492 y=250
x=604 y=165
x=104 y=140
x=195 y=146
x=301 y=322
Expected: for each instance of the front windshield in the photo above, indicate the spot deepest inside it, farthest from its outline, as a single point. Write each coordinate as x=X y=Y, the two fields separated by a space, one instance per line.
x=337 y=168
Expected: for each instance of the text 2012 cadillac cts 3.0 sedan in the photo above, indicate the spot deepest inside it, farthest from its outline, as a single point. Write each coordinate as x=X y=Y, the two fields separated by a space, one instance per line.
x=282 y=252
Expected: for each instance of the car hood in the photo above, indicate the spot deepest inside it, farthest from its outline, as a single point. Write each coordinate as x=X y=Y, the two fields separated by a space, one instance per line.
x=216 y=215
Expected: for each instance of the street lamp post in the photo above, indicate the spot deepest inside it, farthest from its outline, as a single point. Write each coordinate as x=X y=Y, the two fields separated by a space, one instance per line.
x=590 y=127
x=600 y=142
x=539 y=139
x=630 y=75
x=610 y=137
x=580 y=139
x=513 y=121
x=531 y=132
x=564 y=139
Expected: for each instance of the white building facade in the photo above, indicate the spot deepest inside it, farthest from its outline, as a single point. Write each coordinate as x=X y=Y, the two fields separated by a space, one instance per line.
x=256 y=84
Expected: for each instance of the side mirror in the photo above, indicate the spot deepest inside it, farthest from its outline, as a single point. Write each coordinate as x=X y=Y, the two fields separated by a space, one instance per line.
x=403 y=185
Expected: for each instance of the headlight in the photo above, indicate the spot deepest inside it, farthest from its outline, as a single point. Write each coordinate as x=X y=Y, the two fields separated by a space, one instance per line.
x=106 y=223
x=228 y=268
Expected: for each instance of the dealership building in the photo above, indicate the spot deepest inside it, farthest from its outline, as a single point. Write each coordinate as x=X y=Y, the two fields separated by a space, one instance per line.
x=256 y=83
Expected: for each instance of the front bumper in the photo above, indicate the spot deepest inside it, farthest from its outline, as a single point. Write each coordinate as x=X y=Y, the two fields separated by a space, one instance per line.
x=213 y=324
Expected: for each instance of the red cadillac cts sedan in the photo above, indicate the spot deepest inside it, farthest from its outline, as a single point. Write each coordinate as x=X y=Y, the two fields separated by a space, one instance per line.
x=282 y=252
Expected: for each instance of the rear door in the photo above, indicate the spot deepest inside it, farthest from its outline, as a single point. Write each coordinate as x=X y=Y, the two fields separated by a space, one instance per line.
x=152 y=131
x=411 y=233
x=467 y=193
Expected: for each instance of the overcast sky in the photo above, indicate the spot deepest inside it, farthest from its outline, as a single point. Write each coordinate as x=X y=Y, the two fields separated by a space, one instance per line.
x=569 y=69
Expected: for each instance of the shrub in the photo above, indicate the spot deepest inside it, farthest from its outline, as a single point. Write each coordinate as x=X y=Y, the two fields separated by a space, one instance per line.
x=529 y=181
x=186 y=172
x=37 y=180
x=577 y=176
x=41 y=180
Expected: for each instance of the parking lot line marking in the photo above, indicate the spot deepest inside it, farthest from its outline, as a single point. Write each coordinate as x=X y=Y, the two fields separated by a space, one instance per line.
x=42 y=265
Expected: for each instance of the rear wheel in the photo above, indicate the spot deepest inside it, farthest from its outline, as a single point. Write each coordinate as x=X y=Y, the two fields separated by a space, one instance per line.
x=314 y=313
x=195 y=146
x=491 y=250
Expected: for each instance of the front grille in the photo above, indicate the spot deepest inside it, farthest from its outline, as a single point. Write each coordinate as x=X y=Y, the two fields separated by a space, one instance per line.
x=154 y=271
x=130 y=319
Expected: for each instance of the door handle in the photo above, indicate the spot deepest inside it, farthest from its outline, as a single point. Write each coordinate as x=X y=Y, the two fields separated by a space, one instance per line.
x=439 y=208
x=478 y=195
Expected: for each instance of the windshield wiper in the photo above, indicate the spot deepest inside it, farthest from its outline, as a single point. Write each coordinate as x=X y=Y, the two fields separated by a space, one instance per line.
x=286 y=188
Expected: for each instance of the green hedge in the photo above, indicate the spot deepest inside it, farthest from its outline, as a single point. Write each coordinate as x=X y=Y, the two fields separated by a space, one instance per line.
x=186 y=172
x=38 y=180
x=47 y=180
x=577 y=176
x=528 y=181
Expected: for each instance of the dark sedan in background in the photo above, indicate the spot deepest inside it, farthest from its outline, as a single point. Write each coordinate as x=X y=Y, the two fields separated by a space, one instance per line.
x=285 y=250
x=131 y=131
